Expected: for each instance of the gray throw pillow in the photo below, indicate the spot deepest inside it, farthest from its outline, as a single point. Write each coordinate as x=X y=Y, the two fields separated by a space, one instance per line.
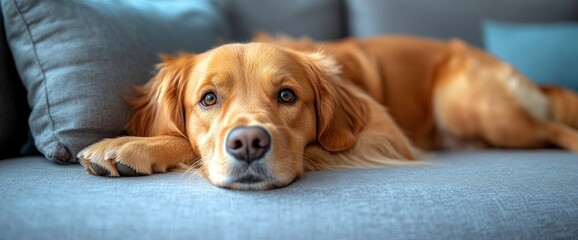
x=76 y=58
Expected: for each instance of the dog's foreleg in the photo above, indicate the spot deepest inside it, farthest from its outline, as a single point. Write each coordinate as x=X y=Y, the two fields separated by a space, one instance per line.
x=131 y=156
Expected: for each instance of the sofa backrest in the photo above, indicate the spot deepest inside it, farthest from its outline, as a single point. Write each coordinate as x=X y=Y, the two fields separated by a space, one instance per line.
x=331 y=19
x=318 y=19
x=449 y=18
x=14 y=109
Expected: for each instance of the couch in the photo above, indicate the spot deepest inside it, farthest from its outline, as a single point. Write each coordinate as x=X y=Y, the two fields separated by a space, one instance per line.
x=495 y=194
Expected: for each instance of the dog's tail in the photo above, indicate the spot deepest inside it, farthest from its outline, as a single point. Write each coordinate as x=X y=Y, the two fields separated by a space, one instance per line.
x=563 y=127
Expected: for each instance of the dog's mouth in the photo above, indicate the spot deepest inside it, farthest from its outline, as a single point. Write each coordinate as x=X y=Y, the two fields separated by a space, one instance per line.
x=253 y=177
x=249 y=179
x=254 y=183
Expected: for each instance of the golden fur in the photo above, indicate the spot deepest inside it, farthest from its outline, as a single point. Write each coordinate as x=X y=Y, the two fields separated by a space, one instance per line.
x=438 y=94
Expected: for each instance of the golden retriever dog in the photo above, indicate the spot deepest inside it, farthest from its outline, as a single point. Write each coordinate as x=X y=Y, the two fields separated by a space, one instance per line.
x=258 y=115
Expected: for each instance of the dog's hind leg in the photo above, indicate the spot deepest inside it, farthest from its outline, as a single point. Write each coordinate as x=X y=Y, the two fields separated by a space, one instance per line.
x=563 y=136
x=479 y=97
x=563 y=105
x=563 y=115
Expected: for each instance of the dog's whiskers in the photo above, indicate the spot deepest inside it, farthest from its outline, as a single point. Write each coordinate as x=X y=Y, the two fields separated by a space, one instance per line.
x=194 y=168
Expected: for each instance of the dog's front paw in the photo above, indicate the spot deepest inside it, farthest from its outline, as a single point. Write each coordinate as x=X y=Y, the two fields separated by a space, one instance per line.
x=116 y=157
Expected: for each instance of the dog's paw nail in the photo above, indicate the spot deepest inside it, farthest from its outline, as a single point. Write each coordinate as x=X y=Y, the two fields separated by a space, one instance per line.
x=110 y=155
x=83 y=155
x=125 y=170
x=100 y=170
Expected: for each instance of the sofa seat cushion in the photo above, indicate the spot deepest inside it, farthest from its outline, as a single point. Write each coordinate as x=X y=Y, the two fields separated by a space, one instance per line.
x=489 y=195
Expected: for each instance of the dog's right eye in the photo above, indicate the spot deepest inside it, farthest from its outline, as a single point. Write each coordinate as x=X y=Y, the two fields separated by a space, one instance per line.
x=287 y=96
x=209 y=99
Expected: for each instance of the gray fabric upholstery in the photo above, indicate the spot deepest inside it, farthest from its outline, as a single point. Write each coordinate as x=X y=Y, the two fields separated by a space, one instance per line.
x=318 y=19
x=77 y=57
x=449 y=18
x=485 y=195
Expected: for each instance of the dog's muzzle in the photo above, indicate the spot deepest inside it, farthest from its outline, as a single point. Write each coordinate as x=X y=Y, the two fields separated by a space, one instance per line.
x=248 y=147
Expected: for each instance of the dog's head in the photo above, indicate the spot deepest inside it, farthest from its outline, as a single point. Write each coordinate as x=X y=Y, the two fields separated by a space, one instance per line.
x=250 y=111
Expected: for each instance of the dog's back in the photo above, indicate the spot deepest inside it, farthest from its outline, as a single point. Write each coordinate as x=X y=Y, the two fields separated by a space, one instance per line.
x=437 y=90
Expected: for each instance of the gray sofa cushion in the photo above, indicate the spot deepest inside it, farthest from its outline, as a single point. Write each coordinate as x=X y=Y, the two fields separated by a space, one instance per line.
x=449 y=18
x=485 y=195
x=318 y=19
x=76 y=58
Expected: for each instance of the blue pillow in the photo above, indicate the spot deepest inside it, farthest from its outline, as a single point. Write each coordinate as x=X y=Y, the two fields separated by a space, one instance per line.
x=75 y=58
x=547 y=53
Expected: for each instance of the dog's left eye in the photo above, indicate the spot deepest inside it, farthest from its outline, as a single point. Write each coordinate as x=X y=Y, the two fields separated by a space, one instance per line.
x=286 y=96
x=209 y=99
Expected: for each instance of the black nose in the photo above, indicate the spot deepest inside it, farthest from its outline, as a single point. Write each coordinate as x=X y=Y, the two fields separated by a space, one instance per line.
x=248 y=143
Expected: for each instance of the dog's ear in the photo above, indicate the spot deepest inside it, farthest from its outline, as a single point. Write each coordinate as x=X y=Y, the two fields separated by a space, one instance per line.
x=261 y=36
x=341 y=115
x=158 y=107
